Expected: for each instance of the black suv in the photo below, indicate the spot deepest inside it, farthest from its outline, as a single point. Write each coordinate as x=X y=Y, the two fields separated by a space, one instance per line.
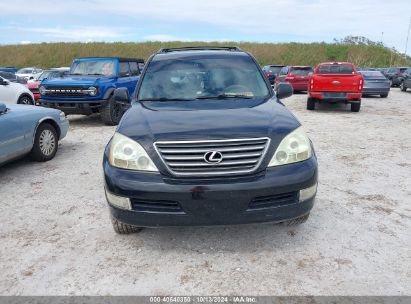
x=207 y=142
x=394 y=75
x=406 y=80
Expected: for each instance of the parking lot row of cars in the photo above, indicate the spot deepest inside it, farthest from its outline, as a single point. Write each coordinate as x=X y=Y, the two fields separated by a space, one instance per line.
x=195 y=117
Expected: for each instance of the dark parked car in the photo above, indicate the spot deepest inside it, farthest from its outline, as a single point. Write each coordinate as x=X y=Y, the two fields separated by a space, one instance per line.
x=12 y=77
x=375 y=83
x=394 y=75
x=271 y=71
x=207 y=142
x=406 y=81
x=297 y=76
x=9 y=69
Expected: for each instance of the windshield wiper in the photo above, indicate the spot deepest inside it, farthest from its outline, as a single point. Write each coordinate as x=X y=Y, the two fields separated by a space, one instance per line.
x=166 y=99
x=76 y=74
x=95 y=74
x=225 y=95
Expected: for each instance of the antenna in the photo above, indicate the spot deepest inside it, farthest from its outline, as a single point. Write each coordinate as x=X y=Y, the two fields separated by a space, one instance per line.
x=406 y=42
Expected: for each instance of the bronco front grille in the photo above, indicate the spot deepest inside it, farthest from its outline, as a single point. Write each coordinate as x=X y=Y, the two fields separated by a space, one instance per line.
x=213 y=157
x=67 y=91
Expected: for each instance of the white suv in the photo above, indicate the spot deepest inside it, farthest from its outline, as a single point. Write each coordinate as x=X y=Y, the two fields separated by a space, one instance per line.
x=12 y=92
x=29 y=73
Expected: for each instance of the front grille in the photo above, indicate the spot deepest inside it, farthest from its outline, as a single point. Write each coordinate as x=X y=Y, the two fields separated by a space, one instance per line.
x=273 y=201
x=67 y=91
x=156 y=206
x=188 y=158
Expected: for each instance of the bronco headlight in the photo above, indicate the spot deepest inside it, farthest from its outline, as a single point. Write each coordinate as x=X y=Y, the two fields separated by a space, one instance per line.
x=62 y=116
x=295 y=147
x=42 y=90
x=92 y=91
x=128 y=154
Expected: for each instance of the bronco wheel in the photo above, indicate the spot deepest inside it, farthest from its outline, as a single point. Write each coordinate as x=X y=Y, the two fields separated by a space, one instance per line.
x=111 y=112
x=26 y=100
x=310 y=103
x=297 y=221
x=122 y=228
x=45 y=143
x=355 y=107
x=384 y=95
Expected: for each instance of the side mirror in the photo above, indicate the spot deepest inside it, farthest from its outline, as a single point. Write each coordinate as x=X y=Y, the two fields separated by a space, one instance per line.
x=122 y=96
x=3 y=108
x=284 y=90
x=4 y=82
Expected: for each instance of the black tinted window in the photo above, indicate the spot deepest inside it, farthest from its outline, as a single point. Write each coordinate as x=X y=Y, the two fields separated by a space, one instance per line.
x=335 y=69
x=124 y=69
x=134 y=68
x=301 y=71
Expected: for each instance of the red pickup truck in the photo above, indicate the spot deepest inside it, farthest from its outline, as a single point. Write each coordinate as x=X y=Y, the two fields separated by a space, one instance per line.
x=335 y=82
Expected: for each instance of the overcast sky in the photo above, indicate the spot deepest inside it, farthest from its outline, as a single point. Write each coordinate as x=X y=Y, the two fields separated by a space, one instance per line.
x=206 y=20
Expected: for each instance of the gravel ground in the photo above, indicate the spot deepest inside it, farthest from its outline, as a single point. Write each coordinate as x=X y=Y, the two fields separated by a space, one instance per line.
x=56 y=238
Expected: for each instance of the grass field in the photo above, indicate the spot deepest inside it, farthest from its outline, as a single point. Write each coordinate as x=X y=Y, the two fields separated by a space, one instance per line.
x=48 y=55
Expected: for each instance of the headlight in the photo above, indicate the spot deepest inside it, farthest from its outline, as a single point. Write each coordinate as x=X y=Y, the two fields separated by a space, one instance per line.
x=92 y=91
x=295 y=147
x=62 y=116
x=128 y=154
x=42 y=90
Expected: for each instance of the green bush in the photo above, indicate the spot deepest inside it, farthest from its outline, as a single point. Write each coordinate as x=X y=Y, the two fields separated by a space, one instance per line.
x=48 y=55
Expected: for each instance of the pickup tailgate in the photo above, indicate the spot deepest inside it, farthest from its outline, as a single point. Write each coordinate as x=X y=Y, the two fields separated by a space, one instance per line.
x=336 y=83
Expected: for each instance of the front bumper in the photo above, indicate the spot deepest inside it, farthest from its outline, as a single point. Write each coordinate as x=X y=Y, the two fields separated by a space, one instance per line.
x=270 y=196
x=85 y=107
x=64 y=126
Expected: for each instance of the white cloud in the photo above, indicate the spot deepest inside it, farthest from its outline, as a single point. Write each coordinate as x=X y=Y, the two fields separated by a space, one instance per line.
x=312 y=20
x=164 y=38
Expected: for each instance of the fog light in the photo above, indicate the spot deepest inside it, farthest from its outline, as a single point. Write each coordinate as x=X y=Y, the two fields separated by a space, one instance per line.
x=118 y=201
x=308 y=193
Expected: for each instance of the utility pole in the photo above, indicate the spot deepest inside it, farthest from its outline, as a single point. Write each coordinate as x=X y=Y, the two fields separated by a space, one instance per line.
x=382 y=35
x=406 y=41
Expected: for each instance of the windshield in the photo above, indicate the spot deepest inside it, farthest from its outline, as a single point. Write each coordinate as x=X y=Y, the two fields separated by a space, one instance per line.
x=202 y=78
x=335 y=69
x=44 y=75
x=89 y=67
x=25 y=71
x=275 y=69
x=301 y=71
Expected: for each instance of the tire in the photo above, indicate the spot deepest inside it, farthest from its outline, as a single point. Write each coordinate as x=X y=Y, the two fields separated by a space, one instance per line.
x=111 y=112
x=297 y=221
x=310 y=103
x=355 y=107
x=403 y=87
x=384 y=95
x=45 y=143
x=26 y=100
x=122 y=228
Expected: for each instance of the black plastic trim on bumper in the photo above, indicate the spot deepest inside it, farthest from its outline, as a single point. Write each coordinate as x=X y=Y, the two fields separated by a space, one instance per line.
x=74 y=106
x=207 y=204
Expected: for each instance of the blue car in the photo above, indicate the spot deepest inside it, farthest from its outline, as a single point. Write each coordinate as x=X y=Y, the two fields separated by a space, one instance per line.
x=30 y=130
x=207 y=142
x=88 y=88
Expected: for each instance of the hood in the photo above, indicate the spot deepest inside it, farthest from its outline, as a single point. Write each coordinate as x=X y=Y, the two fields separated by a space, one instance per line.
x=73 y=80
x=205 y=120
x=23 y=109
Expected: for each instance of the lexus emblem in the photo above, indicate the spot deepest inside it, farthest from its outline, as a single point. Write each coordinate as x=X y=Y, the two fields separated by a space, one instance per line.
x=213 y=157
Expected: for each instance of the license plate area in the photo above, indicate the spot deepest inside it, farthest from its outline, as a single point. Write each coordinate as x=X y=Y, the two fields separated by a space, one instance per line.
x=335 y=95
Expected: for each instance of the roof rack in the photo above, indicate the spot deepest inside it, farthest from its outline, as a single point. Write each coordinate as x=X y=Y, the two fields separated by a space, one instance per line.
x=200 y=48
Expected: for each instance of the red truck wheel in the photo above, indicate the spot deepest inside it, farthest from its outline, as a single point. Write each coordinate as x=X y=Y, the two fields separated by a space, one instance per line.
x=310 y=103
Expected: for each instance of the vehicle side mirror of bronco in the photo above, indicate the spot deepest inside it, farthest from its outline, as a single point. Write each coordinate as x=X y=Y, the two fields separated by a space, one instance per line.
x=284 y=90
x=122 y=96
x=3 y=82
